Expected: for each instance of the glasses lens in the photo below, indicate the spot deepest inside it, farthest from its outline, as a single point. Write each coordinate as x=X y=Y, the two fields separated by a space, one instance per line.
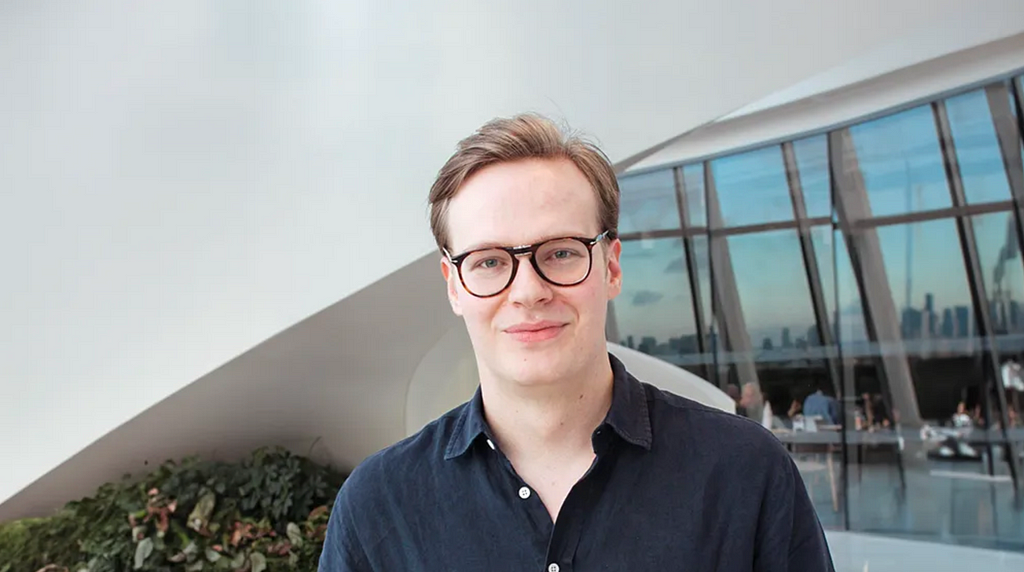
x=486 y=272
x=564 y=261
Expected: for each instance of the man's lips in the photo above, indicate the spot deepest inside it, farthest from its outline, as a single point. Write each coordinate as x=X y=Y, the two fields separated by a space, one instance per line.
x=535 y=331
x=533 y=326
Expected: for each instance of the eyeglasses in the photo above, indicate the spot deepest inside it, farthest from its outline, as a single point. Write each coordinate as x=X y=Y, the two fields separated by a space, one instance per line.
x=560 y=261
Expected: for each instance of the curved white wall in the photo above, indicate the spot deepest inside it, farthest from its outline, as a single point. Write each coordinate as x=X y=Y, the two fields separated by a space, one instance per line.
x=182 y=181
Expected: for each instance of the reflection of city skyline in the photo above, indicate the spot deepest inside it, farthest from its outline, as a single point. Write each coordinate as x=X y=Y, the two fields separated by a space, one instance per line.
x=1007 y=315
x=928 y=322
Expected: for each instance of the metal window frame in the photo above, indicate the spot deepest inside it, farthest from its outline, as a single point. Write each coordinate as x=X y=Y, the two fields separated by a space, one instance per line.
x=822 y=320
x=945 y=213
x=1008 y=134
x=692 y=268
x=731 y=321
x=881 y=318
x=813 y=273
x=989 y=361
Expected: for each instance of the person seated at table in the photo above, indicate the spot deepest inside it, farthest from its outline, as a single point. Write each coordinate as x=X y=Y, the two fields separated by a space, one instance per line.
x=961 y=418
x=876 y=412
x=818 y=404
x=795 y=408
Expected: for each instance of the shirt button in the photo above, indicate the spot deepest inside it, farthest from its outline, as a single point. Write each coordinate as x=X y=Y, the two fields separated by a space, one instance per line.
x=553 y=567
x=524 y=493
x=490 y=444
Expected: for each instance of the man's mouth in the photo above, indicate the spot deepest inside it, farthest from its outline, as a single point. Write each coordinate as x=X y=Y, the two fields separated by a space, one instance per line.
x=535 y=331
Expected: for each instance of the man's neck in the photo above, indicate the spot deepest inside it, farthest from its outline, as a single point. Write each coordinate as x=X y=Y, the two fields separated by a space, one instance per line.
x=555 y=420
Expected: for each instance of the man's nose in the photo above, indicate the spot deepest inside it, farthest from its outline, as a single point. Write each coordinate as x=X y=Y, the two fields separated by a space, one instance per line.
x=528 y=287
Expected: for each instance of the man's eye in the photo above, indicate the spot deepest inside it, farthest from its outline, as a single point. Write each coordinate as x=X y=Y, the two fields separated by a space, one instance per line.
x=488 y=263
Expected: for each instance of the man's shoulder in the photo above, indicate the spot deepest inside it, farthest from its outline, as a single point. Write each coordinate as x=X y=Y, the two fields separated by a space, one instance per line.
x=683 y=420
x=416 y=452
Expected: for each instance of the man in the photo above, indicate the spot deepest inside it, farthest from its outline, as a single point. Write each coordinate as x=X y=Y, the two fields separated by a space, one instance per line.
x=562 y=460
x=827 y=407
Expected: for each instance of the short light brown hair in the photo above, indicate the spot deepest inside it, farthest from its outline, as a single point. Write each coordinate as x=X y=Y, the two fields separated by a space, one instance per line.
x=524 y=136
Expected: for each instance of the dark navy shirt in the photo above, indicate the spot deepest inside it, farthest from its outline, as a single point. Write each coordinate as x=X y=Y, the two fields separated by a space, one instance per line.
x=675 y=486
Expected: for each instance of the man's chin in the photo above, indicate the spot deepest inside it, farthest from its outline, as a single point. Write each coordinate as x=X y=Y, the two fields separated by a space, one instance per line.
x=537 y=369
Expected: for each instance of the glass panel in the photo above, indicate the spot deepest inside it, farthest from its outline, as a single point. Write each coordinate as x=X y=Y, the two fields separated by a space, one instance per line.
x=1003 y=276
x=947 y=494
x=779 y=318
x=839 y=287
x=648 y=202
x=654 y=312
x=788 y=357
x=901 y=163
x=977 y=148
x=812 y=162
x=777 y=304
x=693 y=183
x=924 y=265
x=752 y=187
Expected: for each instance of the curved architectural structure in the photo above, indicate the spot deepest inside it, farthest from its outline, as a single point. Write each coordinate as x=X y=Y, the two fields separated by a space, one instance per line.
x=213 y=214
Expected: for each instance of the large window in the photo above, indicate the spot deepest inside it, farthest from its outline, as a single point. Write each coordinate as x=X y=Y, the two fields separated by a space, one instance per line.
x=927 y=279
x=1002 y=274
x=893 y=282
x=776 y=304
x=812 y=166
x=693 y=186
x=977 y=149
x=901 y=163
x=752 y=187
x=654 y=313
x=839 y=286
x=648 y=203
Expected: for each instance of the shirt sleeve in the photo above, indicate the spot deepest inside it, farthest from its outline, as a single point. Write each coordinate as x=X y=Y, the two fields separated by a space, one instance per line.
x=342 y=550
x=789 y=535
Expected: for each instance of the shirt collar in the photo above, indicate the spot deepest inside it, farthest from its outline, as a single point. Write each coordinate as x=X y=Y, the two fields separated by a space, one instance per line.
x=628 y=415
x=469 y=425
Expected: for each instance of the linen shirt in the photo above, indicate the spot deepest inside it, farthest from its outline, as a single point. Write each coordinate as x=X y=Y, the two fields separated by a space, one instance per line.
x=675 y=485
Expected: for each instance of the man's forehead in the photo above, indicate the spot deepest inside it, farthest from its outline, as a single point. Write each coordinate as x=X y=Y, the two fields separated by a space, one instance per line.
x=519 y=203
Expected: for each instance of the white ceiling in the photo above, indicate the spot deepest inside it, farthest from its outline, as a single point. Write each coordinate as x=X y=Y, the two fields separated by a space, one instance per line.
x=181 y=181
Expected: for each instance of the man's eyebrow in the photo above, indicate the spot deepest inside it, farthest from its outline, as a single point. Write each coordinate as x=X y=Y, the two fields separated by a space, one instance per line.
x=497 y=244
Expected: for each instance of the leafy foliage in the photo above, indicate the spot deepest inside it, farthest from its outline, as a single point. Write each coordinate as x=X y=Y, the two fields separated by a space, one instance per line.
x=268 y=512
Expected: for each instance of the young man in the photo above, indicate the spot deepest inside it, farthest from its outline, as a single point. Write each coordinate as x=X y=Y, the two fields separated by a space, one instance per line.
x=562 y=460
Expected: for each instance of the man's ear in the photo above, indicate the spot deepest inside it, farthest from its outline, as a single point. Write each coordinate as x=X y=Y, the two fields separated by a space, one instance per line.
x=614 y=269
x=451 y=278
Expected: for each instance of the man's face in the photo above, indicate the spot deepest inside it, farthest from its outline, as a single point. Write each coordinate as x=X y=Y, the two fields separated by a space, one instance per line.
x=533 y=332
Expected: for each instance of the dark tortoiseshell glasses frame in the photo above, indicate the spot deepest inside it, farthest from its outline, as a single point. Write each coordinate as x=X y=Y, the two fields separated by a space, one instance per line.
x=515 y=252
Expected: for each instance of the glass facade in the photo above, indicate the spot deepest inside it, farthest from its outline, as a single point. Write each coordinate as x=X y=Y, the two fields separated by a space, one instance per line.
x=864 y=290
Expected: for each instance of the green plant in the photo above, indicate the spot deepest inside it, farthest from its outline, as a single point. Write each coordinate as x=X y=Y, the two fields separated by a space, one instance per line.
x=268 y=512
